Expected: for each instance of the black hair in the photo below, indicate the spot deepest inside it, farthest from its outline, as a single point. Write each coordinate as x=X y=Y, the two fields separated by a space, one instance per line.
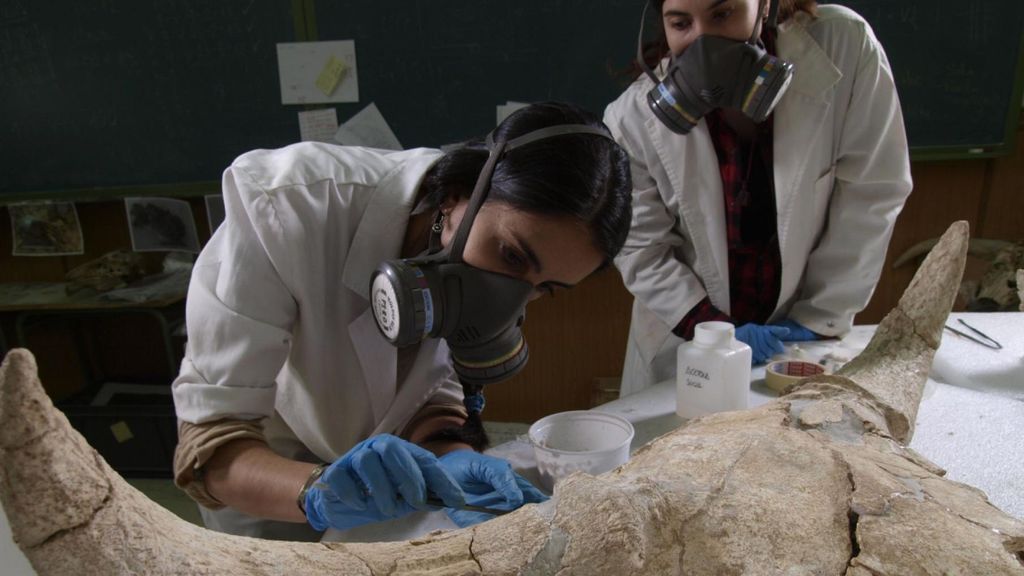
x=580 y=176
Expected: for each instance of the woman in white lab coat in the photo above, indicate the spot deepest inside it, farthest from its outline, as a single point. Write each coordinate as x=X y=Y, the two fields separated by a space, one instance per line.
x=293 y=407
x=817 y=188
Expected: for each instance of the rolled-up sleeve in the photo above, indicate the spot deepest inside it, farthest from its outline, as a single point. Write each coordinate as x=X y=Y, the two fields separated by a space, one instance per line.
x=239 y=313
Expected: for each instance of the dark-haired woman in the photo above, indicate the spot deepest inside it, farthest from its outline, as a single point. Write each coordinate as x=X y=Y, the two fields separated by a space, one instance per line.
x=780 y=227
x=296 y=414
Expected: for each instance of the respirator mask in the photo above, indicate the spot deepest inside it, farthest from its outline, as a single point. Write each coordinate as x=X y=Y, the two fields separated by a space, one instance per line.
x=438 y=295
x=716 y=72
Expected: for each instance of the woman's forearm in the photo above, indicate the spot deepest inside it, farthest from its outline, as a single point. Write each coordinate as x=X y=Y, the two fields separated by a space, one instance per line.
x=248 y=476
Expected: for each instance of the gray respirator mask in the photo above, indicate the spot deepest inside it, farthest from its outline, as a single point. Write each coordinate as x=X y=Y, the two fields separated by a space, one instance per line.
x=438 y=295
x=716 y=72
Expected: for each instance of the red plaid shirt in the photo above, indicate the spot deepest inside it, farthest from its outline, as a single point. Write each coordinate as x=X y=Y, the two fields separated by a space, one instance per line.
x=755 y=262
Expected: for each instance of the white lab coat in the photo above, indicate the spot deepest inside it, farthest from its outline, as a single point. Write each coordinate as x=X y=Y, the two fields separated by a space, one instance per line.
x=842 y=175
x=279 y=322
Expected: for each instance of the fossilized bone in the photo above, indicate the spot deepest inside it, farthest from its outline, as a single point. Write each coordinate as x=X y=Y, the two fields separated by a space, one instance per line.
x=817 y=482
x=996 y=290
x=1020 y=288
x=114 y=269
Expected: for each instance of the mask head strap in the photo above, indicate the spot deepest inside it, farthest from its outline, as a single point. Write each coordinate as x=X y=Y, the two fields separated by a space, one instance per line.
x=483 y=182
x=773 y=15
x=640 y=46
x=771 y=22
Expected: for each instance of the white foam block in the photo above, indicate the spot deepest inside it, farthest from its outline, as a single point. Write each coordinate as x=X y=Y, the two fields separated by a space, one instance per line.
x=965 y=363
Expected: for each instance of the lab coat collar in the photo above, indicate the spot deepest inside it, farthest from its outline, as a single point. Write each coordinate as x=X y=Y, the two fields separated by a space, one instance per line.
x=378 y=360
x=802 y=110
x=430 y=371
x=382 y=225
x=688 y=161
x=815 y=75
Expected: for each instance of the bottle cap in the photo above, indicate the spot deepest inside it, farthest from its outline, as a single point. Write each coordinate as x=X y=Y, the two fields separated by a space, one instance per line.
x=714 y=333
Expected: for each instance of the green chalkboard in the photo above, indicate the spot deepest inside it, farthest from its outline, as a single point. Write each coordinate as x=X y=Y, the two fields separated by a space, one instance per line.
x=437 y=68
x=959 y=69
x=158 y=96
x=101 y=94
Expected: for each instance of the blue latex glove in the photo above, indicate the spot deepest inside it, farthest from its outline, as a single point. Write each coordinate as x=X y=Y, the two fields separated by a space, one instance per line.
x=489 y=482
x=380 y=478
x=764 y=341
x=797 y=333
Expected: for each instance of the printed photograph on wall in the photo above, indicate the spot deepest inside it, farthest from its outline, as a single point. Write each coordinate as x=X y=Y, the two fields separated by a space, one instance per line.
x=214 y=211
x=161 y=224
x=45 y=229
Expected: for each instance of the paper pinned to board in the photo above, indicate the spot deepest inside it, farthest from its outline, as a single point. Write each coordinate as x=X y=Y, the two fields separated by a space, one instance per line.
x=367 y=128
x=318 y=72
x=45 y=229
x=318 y=125
x=161 y=225
x=215 y=211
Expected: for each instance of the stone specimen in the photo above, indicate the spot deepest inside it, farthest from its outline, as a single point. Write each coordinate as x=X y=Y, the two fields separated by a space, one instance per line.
x=114 y=269
x=817 y=482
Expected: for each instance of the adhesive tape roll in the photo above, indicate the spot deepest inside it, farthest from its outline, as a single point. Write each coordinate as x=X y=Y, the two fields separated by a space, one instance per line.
x=780 y=374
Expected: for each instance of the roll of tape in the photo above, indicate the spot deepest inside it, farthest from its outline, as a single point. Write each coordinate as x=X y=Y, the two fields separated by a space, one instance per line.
x=781 y=373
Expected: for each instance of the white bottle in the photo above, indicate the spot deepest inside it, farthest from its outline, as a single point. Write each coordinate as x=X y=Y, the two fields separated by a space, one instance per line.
x=712 y=371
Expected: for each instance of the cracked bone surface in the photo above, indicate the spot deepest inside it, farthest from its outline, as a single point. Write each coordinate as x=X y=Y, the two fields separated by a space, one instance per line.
x=817 y=482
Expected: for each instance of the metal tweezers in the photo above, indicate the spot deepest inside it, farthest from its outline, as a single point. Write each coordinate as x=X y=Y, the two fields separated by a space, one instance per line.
x=988 y=341
x=434 y=501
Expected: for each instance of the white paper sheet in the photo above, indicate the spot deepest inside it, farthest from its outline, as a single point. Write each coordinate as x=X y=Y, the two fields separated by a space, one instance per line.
x=367 y=128
x=301 y=64
x=318 y=125
x=45 y=229
x=215 y=212
x=161 y=224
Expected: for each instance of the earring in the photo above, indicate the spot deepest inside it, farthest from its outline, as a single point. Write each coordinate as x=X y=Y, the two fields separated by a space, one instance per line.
x=438 y=225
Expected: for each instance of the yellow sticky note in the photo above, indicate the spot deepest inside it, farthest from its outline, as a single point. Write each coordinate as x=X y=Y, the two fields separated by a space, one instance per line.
x=122 y=433
x=331 y=75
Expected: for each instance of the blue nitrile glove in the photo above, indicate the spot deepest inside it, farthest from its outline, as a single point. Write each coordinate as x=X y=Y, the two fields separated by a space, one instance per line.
x=797 y=333
x=488 y=482
x=380 y=478
x=764 y=341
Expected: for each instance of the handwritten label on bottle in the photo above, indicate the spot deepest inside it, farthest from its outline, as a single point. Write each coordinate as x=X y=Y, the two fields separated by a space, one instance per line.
x=696 y=377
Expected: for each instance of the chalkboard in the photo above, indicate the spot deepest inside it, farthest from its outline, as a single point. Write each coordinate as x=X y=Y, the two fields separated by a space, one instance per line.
x=958 y=69
x=111 y=93
x=437 y=68
x=120 y=96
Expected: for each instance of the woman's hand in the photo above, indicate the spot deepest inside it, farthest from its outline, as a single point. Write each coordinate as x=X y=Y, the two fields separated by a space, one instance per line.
x=488 y=482
x=764 y=341
x=382 y=477
x=797 y=333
